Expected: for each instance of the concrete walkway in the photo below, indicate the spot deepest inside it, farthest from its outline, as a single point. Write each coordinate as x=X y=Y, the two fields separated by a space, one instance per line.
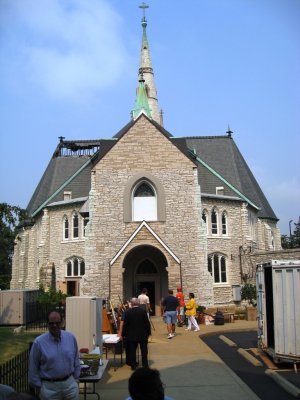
x=188 y=367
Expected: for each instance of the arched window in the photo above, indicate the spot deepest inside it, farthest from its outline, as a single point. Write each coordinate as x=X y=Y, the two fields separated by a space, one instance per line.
x=75 y=226
x=224 y=223
x=146 y=267
x=204 y=218
x=214 y=222
x=217 y=268
x=66 y=228
x=144 y=202
x=85 y=222
x=75 y=267
x=82 y=267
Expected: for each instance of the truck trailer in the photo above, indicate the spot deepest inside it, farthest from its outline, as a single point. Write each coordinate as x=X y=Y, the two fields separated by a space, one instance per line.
x=278 y=309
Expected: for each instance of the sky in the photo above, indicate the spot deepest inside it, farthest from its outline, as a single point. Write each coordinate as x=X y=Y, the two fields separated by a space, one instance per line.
x=69 y=68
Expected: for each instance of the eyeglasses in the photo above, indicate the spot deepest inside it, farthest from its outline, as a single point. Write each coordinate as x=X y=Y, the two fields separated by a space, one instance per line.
x=52 y=323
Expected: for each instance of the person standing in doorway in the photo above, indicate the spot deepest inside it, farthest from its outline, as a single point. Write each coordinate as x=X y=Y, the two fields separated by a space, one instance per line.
x=144 y=301
x=136 y=330
x=191 y=312
x=170 y=307
x=180 y=313
x=54 y=364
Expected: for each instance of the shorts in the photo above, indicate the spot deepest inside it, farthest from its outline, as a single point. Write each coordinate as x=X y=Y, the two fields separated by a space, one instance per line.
x=181 y=311
x=171 y=317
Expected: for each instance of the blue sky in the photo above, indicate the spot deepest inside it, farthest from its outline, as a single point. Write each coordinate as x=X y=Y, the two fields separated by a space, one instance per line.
x=69 y=68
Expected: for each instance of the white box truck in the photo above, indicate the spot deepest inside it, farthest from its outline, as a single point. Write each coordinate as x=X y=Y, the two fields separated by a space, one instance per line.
x=278 y=309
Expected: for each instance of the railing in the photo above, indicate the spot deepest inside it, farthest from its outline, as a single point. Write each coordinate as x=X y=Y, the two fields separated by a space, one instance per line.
x=37 y=315
x=15 y=372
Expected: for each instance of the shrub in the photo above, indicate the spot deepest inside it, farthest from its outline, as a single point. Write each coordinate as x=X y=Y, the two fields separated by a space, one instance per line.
x=52 y=296
x=248 y=292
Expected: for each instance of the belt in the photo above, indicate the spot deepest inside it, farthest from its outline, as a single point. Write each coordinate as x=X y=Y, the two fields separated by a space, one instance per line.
x=64 y=378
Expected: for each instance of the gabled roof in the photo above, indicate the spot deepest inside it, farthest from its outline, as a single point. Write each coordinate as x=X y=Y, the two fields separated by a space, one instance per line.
x=222 y=155
x=218 y=160
x=135 y=233
x=68 y=170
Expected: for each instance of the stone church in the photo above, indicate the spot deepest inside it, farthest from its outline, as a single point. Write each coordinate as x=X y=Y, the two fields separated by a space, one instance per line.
x=145 y=209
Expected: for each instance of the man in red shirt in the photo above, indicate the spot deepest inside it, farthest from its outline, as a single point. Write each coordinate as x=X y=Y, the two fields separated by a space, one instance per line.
x=180 y=313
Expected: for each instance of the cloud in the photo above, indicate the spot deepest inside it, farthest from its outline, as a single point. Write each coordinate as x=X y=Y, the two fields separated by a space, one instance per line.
x=67 y=48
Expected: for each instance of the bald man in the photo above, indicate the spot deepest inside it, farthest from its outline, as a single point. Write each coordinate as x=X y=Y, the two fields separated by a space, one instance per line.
x=136 y=331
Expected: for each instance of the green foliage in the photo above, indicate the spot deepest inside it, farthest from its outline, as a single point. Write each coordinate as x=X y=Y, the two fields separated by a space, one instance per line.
x=293 y=241
x=5 y=282
x=248 y=292
x=10 y=216
x=51 y=297
x=285 y=242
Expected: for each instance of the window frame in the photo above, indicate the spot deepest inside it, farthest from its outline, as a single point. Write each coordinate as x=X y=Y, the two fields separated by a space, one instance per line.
x=160 y=193
x=72 y=263
x=66 y=228
x=75 y=216
x=217 y=270
x=225 y=216
x=134 y=205
x=216 y=227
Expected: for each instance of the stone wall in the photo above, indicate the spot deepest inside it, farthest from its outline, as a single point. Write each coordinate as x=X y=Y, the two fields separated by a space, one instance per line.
x=181 y=229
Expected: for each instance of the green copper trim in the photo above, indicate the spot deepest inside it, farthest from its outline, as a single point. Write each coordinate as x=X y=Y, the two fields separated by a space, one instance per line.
x=223 y=180
x=141 y=102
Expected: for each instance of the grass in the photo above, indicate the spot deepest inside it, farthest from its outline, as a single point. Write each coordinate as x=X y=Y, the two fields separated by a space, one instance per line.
x=12 y=344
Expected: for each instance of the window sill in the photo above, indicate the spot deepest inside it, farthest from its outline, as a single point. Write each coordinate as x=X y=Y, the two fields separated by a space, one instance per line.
x=72 y=240
x=225 y=284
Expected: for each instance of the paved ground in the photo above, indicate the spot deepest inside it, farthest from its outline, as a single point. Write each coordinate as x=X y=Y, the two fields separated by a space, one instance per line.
x=189 y=368
x=254 y=376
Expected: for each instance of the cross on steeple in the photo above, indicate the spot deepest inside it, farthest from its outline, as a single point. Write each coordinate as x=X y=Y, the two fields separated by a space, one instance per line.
x=143 y=6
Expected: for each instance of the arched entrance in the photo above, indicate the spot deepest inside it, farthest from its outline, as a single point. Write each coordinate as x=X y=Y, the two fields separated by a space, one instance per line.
x=145 y=267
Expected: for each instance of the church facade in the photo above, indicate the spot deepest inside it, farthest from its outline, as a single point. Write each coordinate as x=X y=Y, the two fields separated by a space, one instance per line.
x=145 y=209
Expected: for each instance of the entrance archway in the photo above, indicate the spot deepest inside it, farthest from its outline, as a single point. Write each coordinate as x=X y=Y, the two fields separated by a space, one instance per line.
x=145 y=267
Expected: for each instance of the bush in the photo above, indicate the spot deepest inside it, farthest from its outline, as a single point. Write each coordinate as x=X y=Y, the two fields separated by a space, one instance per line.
x=248 y=292
x=5 y=282
x=51 y=297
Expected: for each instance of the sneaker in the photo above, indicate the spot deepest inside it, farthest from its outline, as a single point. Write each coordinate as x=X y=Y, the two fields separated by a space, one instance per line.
x=173 y=334
x=197 y=330
x=187 y=329
x=170 y=336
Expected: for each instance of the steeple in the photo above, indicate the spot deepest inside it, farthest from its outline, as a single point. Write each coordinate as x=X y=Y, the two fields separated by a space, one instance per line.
x=141 y=102
x=146 y=72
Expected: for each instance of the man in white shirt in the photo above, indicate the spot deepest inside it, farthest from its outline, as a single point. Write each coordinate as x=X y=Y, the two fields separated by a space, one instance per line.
x=144 y=301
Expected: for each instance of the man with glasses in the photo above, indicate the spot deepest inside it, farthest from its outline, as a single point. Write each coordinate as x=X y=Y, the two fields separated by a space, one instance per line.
x=54 y=364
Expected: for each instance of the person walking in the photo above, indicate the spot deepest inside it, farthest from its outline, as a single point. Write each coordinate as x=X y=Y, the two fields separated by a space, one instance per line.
x=144 y=301
x=170 y=306
x=54 y=364
x=191 y=312
x=180 y=313
x=136 y=330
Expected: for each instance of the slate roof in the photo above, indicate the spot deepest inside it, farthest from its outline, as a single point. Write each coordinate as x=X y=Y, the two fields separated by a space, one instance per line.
x=222 y=154
x=70 y=169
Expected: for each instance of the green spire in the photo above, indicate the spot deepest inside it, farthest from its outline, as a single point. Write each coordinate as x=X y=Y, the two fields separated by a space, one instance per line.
x=141 y=102
x=146 y=97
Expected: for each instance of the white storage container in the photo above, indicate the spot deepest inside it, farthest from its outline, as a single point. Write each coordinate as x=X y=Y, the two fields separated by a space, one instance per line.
x=13 y=305
x=84 y=319
x=278 y=308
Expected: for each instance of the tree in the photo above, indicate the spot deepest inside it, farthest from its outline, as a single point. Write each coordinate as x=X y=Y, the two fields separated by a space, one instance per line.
x=296 y=236
x=248 y=292
x=293 y=241
x=10 y=217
